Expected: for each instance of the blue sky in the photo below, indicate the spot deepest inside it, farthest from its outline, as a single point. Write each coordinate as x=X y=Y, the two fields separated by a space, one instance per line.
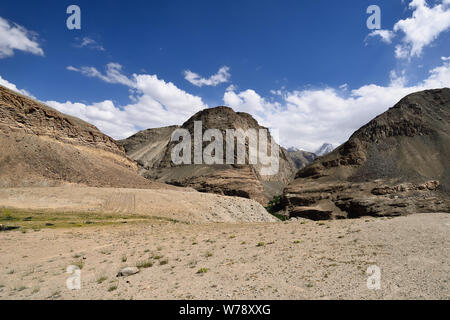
x=308 y=68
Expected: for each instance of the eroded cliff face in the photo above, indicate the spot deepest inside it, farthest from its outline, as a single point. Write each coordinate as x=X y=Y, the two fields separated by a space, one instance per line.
x=22 y=114
x=403 y=152
x=152 y=150
x=40 y=146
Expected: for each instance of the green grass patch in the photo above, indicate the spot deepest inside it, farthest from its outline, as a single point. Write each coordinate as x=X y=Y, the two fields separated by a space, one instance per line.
x=112 y=288
x=40 y=219
x=144 y=264
x=102 y=279
x=163 y=262
x=274 y=207
x=78 y=263
x=202 y=270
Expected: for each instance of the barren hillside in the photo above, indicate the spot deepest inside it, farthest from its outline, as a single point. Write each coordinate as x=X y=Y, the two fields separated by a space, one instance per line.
x=397 y=163
x=40 y=146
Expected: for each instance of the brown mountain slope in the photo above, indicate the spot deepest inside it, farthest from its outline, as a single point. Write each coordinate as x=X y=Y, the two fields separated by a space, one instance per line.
x=148 y=147
x=40 y=146
x=301 y=158
x=396 y=164
x=152 y=150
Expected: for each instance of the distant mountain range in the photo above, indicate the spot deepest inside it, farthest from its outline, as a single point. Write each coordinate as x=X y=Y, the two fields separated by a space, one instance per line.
x=301 y=158
x=325 y=149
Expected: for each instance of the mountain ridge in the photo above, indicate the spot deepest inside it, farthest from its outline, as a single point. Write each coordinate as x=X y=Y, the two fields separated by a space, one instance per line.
x=228 y=179
x=301 y=158
x=324 y=149
x=403 y=151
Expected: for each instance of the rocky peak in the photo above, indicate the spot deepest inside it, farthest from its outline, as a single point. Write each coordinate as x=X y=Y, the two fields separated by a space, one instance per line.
x=153 y=152
x=325 y=149
x=419 y=113
x=222 y=118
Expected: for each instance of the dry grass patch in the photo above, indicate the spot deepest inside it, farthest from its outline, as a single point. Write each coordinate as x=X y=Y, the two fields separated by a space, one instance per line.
x=144 y=264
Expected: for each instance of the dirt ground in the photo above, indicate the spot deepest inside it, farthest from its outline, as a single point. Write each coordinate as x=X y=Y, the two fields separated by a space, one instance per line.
x=271 y=260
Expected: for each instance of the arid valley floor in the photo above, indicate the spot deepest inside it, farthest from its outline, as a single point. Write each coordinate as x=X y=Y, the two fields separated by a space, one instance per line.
x=298 y=259
x=71 y=196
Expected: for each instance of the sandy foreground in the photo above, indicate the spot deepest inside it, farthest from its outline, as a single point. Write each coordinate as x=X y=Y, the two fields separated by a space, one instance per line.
x=280 y=260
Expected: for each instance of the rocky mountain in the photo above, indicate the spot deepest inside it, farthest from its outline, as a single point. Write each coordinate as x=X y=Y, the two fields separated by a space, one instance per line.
x=40 y=146
x=152 y=150
x=325 y=149
x=398 y=163
x=301 y=158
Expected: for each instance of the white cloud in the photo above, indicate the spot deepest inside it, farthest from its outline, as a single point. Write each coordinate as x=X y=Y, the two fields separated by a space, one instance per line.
x=425 y=25
x=89 y=43
x=167 y=94
x=385 y=35
x=418 y=31
x=113 y=74
x=401 y=52
x=13 y=87
x=278 y=92
x=251 y=102
x=307 y=118
x=104 y=115
x=155 y=103
x=398 y=80
x=15 y=37
x=343 y=86
x=220 y=77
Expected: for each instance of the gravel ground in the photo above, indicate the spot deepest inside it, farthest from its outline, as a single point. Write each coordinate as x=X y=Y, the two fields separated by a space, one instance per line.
x=283 y=260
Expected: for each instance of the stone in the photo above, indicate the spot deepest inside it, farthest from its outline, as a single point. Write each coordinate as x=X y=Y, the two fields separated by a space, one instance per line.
x=128 y=271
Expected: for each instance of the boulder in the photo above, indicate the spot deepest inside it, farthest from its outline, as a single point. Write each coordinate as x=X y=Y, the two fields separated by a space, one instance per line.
x=128 y=271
